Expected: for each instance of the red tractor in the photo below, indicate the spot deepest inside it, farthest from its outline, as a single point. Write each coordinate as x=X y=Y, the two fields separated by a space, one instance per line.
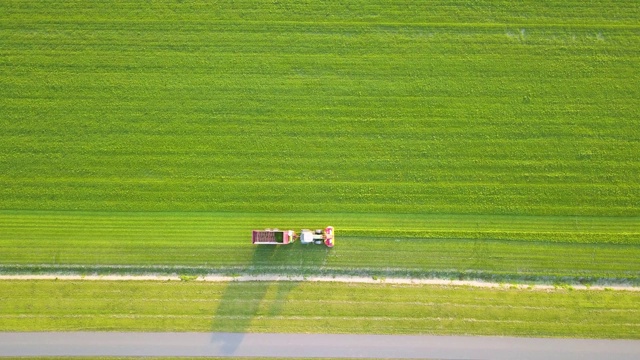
x=283 y=237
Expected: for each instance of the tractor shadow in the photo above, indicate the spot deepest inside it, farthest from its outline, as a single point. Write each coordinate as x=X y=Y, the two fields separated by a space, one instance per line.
x=243 y=303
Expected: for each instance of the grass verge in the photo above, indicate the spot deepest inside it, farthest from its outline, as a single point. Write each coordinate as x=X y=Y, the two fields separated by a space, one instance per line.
x=316 y=308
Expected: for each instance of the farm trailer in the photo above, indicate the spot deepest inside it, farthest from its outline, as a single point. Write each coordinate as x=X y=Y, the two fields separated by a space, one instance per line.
x=283 y=237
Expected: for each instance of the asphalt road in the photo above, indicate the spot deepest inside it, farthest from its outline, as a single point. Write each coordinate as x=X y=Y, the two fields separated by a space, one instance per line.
x=310 y=345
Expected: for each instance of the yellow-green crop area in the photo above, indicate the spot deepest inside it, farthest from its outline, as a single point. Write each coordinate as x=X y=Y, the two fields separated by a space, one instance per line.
x=308 y=307
x=495 y=140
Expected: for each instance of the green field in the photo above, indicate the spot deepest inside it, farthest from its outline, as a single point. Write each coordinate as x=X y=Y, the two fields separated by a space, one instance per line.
x=479 y=139
x=251 y=106
x=482 y=123
x=316 y=308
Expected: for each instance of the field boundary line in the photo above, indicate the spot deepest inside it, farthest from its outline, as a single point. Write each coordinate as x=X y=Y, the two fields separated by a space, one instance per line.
x=300 y=278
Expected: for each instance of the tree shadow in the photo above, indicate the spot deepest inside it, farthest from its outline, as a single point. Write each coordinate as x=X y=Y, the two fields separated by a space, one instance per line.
x=242 y=302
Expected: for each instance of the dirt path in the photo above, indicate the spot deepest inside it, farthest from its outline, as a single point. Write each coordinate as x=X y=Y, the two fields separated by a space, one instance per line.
x=341 y=279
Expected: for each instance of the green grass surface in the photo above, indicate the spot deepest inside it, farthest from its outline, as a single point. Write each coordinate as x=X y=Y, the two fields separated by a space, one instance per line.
x=414 y=107
x=498 y=248
x=316 y=308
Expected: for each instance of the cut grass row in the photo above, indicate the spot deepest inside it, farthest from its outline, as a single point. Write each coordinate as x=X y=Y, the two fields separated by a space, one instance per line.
x=244 y=106
x=573 y=12
x=315 y=308
x=495 y=248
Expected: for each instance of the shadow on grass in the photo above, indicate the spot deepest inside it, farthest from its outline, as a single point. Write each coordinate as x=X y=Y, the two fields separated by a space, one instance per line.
x=244 y=302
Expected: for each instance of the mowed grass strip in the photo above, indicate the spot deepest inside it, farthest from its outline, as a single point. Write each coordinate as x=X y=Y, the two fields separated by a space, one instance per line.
x=570 y=12
x=416 y=107
x=315 y=308
x=495 y=248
